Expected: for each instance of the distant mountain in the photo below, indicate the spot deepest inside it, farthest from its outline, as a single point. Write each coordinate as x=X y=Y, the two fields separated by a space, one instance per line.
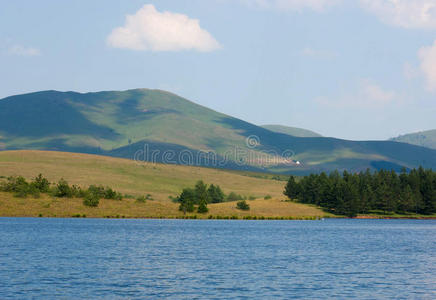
x=155 y=125
x=422 y=138
x=294 y=131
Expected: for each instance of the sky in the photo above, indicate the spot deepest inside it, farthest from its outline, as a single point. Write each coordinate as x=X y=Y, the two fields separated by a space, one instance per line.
x=353 y=69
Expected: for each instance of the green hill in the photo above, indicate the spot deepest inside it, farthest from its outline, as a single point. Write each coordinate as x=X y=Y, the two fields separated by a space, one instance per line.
x=294 y=131
x=422 y=138
x=128 y=177
x=158 y=126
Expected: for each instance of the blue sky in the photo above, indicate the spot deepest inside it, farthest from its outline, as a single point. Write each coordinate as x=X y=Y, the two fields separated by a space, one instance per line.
x=355 y=69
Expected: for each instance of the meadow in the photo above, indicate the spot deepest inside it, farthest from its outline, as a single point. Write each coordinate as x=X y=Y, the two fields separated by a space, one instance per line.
x=136 y=179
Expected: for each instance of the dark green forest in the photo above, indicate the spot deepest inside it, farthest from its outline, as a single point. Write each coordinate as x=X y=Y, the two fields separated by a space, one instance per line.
x=384 y=192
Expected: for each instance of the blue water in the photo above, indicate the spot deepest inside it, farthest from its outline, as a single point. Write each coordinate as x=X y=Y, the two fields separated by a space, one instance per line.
x=177 y=259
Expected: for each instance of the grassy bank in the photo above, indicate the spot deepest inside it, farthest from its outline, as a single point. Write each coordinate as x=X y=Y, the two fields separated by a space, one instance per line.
x=131 y=178
x=47 y=206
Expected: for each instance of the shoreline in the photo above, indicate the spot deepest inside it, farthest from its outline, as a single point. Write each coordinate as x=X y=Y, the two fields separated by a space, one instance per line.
x=227 y=218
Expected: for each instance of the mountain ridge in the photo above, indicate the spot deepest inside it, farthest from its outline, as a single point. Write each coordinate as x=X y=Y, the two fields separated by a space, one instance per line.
x=294 y=131
x=121 y=123
x=426 y=138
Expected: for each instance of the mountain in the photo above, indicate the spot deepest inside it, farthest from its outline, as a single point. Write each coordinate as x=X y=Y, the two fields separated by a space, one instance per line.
x=294 y=131
x=422 y=138
x=155 y=125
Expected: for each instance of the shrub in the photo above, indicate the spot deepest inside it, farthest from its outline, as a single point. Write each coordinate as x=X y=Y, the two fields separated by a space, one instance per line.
x=41 y=183
x=186 y=200
x=141 y=199
x=109 y=193
x=15 y=184
x=78 y=192
x=91 y=200
x=267 y=197
x=202 y=208
x=234 y=197
x=34 y=191
x=251 y=198
x=63 y=189
x=97 y=190
x=243 y=205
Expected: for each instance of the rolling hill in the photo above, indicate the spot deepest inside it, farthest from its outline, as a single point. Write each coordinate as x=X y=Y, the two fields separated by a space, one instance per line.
x=154 y=125
x=422 y=138
x=294 y=131
x=129 y=177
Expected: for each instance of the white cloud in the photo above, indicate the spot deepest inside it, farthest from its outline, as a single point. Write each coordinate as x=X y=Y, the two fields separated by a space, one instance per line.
x=149 y=29
x=374 y=94
x=23 y=51
x=404 y=13
x=427 y=56
x=368 y=95
x=294 y=5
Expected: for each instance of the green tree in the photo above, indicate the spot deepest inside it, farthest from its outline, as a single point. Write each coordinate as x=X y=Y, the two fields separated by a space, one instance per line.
x=91 y=199
x=202 y=208
x=242 y=205
x=215 y=194
x=63 y=189
x=232 y=196
x=292 y=188
x=201 y=194
x=41 y=183
x=186 y=199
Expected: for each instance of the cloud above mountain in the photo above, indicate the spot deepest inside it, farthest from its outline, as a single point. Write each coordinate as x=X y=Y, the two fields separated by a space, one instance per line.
x=404 y=13
x=292 y=5
x=149 y=29
x=427 y=56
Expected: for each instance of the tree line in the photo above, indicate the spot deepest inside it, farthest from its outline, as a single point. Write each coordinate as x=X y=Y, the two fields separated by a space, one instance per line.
x=365 y=192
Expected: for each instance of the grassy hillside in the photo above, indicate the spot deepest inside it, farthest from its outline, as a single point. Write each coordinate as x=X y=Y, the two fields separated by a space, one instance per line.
x=422 y=138
x=294 y=131
x=155 y=125
x=129 y=177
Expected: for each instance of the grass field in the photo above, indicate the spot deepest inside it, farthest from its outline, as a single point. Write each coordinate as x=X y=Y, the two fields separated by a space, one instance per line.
x=130 y=177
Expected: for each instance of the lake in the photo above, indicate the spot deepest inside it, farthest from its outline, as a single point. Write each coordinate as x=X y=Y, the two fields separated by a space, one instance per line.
x=185 y=259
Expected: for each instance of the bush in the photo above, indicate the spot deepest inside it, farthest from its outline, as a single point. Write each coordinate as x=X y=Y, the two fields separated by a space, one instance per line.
x=106 y=193
x=34 y=191
x=186 y=200
x=91 y=200
x=234 y=197
x=141 y=199
x=41 y=183
x=267 y=197
x=251 y=198
x=243 y=205
x=20 y=187
x=78 y=192
x=202 y=208
x=14 y=184
x=97 y=190
x=63 y=189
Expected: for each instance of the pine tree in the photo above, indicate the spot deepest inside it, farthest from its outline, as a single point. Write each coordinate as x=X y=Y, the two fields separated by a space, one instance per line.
x=292 y=189
x=215 y=194
x=186 y=200
x=201 y=194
